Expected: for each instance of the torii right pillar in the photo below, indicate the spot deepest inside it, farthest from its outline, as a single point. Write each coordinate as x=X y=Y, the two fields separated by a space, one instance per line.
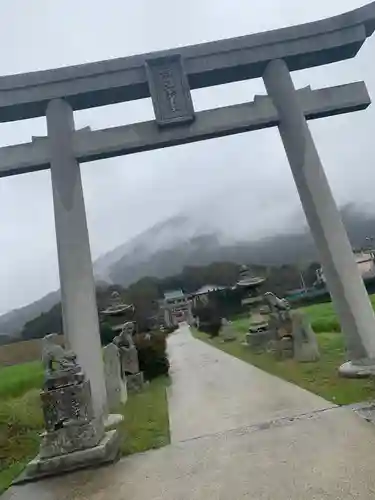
x=349 y=295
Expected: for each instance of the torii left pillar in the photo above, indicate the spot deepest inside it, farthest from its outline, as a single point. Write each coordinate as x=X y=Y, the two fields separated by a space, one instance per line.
x=78 y=299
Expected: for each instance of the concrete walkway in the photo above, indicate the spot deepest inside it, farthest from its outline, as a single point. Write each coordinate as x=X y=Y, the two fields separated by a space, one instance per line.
x=236 y=433
x=214 y=392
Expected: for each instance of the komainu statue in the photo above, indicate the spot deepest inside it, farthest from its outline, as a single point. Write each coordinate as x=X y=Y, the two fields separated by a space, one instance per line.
x=55 y=358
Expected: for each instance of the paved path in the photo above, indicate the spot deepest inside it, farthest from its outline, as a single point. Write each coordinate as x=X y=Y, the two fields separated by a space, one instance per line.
x=214 y=392
x=236 y=433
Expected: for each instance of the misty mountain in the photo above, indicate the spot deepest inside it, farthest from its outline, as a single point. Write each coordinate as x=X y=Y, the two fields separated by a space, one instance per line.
x=12 y=322
x=166 y=248
x=166 y=236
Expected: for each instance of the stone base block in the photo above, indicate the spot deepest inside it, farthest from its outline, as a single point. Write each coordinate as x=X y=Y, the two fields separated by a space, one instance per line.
x=259 y=341
x=365 y=410
x=363 y=368
x=113 y=420
x=71 y=438
x=135 y=382
x=282 y=349
x=108 y=450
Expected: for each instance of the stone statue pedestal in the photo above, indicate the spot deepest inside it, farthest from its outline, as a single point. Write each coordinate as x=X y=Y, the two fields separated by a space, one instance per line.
x=74 y=438
x=227 y=332
x=363 y=368
x=106 y=451
x=129 y=363
x=258 y=336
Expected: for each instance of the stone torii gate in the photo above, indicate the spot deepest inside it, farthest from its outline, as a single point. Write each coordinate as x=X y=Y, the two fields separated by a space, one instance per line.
x=168 y=76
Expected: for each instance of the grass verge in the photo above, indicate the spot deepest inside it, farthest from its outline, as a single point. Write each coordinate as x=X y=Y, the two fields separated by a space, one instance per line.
x=323 y=317
x=146 y=422
x=320 y=378
x=145 y=425
x=18 y=379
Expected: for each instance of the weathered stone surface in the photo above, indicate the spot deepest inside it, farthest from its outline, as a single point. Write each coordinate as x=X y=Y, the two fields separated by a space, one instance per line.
x=107 y=450
x=65 y=404
x=97 y=84
x=258 y=341
x=135 y=382
x=279 y=321
x=282 y=348
x=170 y=92
x=113 y=421
x=57 y=360
x=305 y=344
x=128 y=352
x=227 y=332
x=80 y=312
x=363 y=368
x=129 y=360
x=71 y=438
x=125 y=339
x=115 y=385
x=144 y=136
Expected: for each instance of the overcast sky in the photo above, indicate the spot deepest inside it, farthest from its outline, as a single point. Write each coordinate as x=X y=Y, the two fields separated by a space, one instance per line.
x=240 y=184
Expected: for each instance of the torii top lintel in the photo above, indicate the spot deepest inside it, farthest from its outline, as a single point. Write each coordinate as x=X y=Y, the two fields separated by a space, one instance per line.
x=329 y=40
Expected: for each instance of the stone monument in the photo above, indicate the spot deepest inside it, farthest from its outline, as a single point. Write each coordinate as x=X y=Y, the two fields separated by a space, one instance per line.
x=259 y=335
x=279 y=320
x=306 y=347
x=115 y=384
x=129 y=358
x=74 y=437
x=227 y=332
x=248 y=286
x=117 y=312
x=277 y=329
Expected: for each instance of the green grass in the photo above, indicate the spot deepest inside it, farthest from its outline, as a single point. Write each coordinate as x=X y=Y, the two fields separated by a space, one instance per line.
x=145 y=425
x=320 y=378
x=18 y=379
x=20 y=424
x=323 y=317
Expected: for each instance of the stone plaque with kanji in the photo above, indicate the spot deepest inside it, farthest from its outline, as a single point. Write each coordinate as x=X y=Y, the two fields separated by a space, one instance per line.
x=170 y=92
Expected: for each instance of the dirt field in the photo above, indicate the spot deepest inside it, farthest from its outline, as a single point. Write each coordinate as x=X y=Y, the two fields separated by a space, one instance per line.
x=22 y=352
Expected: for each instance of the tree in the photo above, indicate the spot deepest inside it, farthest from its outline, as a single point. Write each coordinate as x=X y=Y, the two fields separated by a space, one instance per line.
x=49 y=322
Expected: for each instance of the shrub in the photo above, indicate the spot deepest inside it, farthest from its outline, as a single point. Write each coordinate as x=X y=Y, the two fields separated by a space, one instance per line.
x=106 y=333
x=323 y=318
x=152 y=354
x=170 y=329
x=324 y=325
x=209 y=320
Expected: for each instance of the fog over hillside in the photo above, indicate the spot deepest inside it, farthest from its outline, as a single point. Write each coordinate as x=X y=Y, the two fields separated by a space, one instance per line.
x=236 y=189
x=165 y=248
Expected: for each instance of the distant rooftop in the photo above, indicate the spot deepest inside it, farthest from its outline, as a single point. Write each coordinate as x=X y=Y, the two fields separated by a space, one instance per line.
x=174 y=294
x=251 y=281
x=207 y=289
x=115 y=309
